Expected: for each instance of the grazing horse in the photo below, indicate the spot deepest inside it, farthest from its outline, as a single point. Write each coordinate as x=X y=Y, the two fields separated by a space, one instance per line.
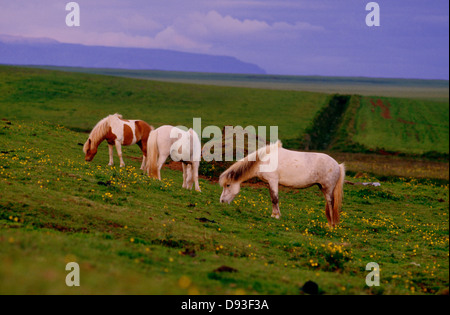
x=182 y=146
x=117 y=131
x=292 y=169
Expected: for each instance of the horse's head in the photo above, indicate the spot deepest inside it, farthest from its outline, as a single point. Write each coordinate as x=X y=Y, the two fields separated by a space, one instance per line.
x=230 y=188
x=89 y=150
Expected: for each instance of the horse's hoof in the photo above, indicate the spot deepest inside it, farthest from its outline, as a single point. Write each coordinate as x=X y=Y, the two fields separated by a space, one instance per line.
x=276 y=216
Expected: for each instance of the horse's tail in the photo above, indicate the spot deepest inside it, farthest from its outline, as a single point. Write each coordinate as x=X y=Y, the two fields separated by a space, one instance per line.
x=152 y=154
x=338 y=194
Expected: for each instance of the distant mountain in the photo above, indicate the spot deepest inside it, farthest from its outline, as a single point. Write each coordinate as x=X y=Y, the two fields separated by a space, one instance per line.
x=15 y=50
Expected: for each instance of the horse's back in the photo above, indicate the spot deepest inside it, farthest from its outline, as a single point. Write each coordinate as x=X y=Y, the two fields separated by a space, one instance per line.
x=304 y=169
x=142 y=130
x=164 y=128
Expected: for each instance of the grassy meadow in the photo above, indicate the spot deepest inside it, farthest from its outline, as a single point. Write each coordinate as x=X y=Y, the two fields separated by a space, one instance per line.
x=409 y=88
x=134 y=235
x=78 y=101
x=403 y=125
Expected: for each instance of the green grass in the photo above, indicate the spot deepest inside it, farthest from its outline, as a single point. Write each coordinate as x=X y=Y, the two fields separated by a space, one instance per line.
x=417 y=129
x=403 y=125
x=78 y=101
x=408 y=88
x=133 y=235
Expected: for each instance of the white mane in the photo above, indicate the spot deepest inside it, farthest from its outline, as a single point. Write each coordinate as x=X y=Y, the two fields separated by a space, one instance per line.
x=242 y=168
x=99 y=131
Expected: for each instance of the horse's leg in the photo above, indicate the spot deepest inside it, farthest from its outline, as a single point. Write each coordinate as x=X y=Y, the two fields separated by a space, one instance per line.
x=143 y=162
x=328 y=194
x=143 y=147
x=111 y=160
x=119 y=153
x=161 y=160
x=195 y=166
x=184 y=175
x=189 y=177
x=273 y=188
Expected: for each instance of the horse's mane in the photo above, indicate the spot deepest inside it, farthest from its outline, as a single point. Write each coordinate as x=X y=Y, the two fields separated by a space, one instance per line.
x=240 y=170
x=99 y=131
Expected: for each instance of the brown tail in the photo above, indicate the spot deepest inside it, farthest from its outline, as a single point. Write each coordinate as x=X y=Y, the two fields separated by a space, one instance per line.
x=152 y=155
x=338 y=194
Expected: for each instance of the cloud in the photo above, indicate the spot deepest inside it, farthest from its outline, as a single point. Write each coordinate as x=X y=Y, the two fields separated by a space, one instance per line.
x=166 y=39
x=291 y=4
x=195 y=32
x=169 y=38
x=214 y=24
x=124 y=26
x=433 y=19
x=137 y=22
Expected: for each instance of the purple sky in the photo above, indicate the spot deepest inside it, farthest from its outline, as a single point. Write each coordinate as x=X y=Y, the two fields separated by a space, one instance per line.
x=298 y=37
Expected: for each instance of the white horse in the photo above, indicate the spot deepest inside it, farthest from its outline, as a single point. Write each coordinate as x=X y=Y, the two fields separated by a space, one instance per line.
x=117 y=131
x=292 y=169
x=182 y=146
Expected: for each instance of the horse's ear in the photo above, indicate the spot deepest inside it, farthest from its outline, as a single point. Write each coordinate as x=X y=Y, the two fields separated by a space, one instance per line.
x=90 y=142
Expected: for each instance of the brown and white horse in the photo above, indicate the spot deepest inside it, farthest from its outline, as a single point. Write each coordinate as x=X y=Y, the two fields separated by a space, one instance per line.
x=291 y=169
x=117 y=131
x=182 y=146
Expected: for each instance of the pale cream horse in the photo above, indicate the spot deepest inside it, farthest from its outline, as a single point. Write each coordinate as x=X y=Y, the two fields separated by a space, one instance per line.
x=182 y=146
x=117 y=132
x=276 y=165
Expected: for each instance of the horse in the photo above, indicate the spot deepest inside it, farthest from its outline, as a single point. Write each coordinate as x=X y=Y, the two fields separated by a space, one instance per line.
x=117 y=131
x=292 y=169
x=182 y=146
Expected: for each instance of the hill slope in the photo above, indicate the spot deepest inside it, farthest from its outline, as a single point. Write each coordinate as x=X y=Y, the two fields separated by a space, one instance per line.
x=133 y=235
x=79 y=101
x=48 y=52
